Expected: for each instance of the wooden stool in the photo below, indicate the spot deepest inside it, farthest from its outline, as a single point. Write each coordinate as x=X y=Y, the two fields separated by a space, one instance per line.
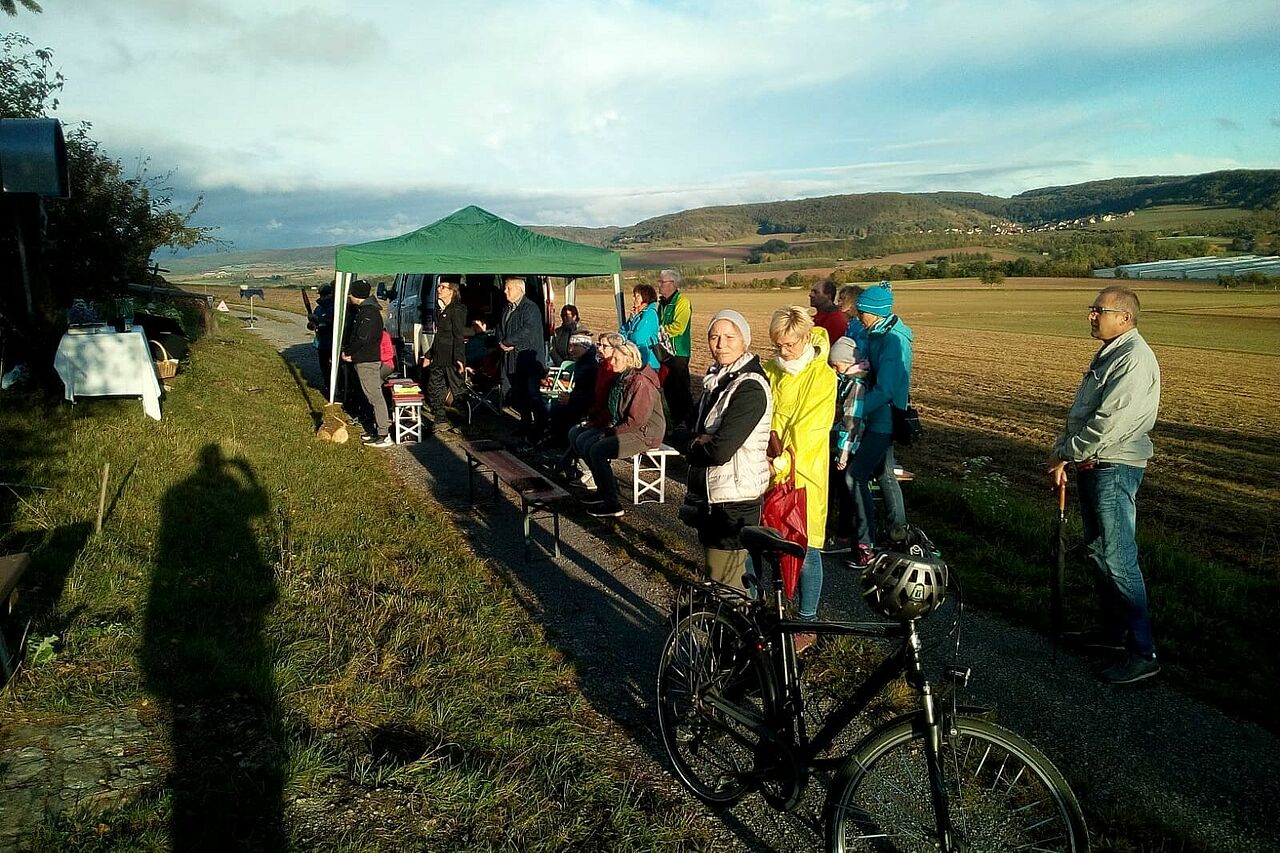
x=406 y=419
x=649 y=474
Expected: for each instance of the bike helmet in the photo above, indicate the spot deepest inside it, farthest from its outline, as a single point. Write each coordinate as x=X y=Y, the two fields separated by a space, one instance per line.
x=903 y=587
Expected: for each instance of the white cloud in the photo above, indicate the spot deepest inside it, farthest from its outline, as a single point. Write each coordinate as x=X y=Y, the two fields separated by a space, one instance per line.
x=623 y=108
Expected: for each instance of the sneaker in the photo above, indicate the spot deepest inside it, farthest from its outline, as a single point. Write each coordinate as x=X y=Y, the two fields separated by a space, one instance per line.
x=803 y=642
x=1092 y=640
x=863 y=556
x=1130 y=669
x=603 y=510
x=385 y=441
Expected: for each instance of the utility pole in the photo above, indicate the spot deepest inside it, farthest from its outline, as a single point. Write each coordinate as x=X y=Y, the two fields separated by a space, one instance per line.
x=725 y=263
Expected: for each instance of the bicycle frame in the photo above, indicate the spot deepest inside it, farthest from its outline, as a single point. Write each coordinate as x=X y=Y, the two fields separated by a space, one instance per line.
x=796 y=749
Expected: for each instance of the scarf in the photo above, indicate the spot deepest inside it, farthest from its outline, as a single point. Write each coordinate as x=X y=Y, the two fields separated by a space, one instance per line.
x=794 y=366
x=615 y=394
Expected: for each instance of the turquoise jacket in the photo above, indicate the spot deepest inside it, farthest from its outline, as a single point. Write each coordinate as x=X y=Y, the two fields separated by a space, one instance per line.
x=889 y=351
x=642 y=330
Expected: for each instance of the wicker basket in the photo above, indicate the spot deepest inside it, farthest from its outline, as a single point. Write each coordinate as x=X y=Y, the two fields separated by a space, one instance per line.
x=166 y=367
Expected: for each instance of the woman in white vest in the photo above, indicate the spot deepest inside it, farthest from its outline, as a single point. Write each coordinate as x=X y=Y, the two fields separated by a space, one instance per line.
x=728 y=465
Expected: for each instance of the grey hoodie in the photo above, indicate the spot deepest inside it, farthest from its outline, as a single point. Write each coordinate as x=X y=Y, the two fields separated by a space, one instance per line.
x=1115 y=406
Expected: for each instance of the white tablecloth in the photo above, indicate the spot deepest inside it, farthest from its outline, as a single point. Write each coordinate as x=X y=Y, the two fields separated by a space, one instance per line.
x=109 y=363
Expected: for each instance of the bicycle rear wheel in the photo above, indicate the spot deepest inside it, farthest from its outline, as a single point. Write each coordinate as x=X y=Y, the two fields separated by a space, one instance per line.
x=708 y=652
x=1003 y=794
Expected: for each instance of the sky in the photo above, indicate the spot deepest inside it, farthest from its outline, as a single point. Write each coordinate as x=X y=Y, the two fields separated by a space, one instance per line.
x=315 y=122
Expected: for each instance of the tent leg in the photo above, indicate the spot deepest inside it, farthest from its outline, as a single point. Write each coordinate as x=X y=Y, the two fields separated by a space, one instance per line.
x=617 y=299
x=341 y=285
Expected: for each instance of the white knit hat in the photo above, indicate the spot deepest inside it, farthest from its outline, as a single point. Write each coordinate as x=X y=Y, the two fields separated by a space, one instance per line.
x=736 y=319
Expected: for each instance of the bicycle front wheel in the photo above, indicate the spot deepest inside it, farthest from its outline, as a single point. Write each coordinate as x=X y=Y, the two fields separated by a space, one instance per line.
x=1003 y=794
x=708 y=653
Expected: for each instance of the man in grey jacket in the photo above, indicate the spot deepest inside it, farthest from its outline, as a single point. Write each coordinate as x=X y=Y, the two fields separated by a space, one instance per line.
x=1106 y=442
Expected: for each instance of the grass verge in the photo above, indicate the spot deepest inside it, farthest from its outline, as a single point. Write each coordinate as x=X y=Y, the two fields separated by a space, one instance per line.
x=1212 y=635
x=321 y=659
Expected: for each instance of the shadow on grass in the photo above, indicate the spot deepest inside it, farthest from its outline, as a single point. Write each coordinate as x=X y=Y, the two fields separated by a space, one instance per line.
x=205 y=660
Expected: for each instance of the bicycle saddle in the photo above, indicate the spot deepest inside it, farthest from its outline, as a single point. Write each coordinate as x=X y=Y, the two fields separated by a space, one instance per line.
x=757 y=539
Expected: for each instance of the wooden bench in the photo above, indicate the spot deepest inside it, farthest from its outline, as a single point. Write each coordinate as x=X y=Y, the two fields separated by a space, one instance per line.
x=537 y=493
x=12 y=568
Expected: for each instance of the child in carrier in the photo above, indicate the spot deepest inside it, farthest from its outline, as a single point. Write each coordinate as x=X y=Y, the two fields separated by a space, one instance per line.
x=846 y=432
x=851 y=372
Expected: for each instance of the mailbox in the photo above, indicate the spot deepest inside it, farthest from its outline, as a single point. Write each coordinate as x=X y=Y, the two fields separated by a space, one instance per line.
x=33 y=157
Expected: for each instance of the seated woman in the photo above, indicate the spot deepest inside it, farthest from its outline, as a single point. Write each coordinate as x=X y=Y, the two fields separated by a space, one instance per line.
x=572 y=406
x=568 y=327
x=727 y=450
x=636 y=424
x=641 y=327
x=597 y=416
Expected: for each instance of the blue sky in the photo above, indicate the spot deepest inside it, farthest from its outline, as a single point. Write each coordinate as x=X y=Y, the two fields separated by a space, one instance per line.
x=312 y=123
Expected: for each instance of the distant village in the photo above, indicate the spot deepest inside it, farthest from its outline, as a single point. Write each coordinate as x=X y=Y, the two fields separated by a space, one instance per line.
x=1008 y=227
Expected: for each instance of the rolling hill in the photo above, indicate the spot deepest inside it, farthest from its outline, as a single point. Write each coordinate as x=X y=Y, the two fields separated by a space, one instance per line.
x=881 y=214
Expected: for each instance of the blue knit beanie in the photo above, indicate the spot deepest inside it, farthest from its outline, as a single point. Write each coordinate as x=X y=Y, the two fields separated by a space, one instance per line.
x=876 y=300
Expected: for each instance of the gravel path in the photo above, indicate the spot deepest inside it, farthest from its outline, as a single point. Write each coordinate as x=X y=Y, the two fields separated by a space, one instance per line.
x=1137 y=750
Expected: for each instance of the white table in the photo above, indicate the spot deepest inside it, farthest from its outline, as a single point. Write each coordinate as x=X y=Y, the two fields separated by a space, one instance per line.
x=107 y=363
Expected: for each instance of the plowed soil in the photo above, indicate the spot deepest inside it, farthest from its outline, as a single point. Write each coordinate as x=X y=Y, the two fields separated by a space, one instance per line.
x=996 y=368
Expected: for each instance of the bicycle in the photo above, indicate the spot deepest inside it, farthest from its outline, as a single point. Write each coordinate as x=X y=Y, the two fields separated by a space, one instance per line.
x=941 y=777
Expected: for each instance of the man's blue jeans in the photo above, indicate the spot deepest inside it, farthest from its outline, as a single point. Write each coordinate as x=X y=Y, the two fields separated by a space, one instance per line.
x=1109 y=511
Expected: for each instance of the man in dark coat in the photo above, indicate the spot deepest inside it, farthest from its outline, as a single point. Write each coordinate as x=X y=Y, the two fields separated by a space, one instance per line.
x=363 y=349
x=448 y=354
x=523 y=346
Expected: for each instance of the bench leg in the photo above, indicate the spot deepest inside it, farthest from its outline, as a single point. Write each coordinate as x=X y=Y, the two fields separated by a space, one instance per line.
x=555 y=523
x=528 y=517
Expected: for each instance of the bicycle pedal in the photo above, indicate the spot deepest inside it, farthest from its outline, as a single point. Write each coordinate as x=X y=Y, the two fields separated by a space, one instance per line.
x=957 y=675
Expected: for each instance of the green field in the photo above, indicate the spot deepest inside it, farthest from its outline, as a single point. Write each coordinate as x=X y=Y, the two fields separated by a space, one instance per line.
x=1191 y=218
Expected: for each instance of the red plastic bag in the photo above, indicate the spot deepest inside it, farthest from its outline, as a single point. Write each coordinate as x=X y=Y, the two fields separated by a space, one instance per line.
x=785 y=511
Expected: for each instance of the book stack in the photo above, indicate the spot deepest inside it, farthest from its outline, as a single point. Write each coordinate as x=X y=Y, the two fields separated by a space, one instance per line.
x=404 y=391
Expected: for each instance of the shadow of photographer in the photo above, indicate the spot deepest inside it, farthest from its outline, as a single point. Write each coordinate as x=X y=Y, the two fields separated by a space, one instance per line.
x=206 y=661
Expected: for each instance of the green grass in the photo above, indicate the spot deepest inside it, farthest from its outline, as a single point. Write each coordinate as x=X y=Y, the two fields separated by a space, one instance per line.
x=294 y=622
x=1171 y=217
x=1214 y=638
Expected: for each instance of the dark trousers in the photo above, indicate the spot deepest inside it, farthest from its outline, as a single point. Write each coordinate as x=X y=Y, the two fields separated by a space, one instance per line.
x=677 y=392
x=862 y=469
x=440 y=383
x=599 y=454
x=526 y=397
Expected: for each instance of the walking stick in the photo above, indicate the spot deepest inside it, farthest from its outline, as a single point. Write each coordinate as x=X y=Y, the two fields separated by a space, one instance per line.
x=1056 y=571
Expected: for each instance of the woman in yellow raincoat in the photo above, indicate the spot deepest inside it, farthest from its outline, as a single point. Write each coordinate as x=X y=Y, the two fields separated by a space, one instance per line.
x=804 y=407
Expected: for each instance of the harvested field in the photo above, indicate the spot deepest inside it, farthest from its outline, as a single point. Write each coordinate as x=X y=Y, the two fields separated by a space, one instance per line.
x=996 y=368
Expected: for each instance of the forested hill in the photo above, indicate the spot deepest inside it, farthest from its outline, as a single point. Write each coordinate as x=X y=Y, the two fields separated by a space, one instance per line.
x=866 y=214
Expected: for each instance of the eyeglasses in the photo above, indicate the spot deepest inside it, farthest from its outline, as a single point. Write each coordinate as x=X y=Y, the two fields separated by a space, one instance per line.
x=604 y=346
x=1098 y=309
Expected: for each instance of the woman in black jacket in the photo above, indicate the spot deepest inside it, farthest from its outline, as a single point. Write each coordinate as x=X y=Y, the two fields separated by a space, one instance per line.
x=727 y=449
x=447 y=356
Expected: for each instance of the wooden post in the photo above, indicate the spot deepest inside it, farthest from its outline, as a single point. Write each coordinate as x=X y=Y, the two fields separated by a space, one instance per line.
x=102 y=495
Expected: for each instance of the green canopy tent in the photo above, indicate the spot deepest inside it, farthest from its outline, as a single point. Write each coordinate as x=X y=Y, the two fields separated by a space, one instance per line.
x=472 y=240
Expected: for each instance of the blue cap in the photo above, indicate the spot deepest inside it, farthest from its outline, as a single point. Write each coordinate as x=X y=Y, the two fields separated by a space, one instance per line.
x=876 y=300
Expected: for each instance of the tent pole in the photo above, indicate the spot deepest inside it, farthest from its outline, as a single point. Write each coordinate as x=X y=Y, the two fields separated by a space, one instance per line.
x=617 y=298
x=570 y=291
x=341 y=285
